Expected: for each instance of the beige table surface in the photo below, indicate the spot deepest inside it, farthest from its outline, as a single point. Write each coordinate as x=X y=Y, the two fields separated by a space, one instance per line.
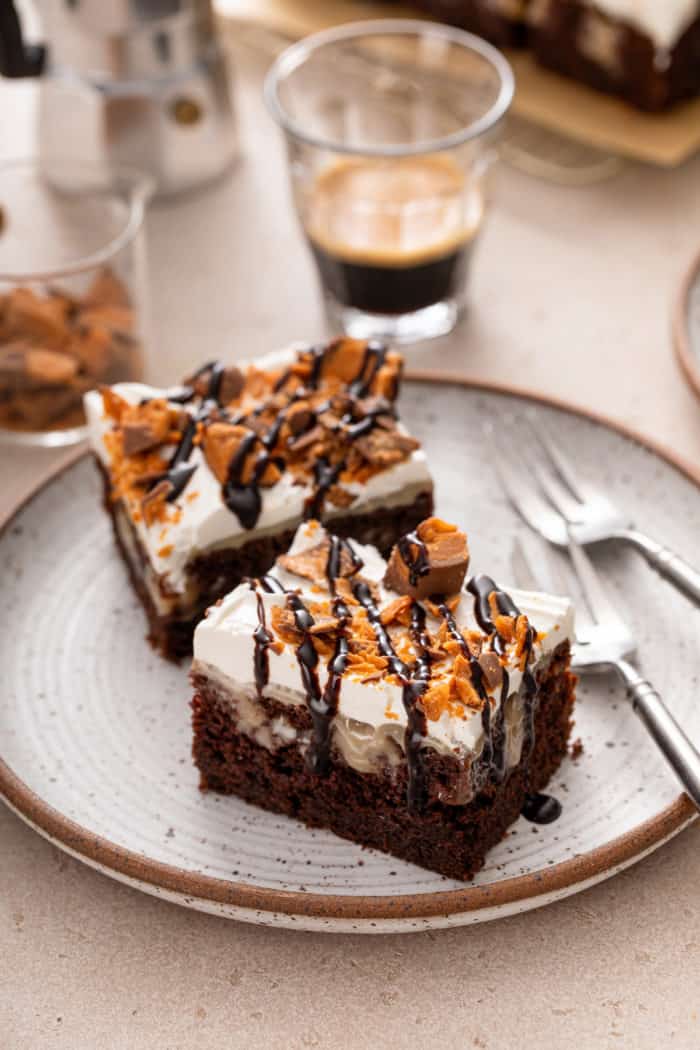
x=571 y=296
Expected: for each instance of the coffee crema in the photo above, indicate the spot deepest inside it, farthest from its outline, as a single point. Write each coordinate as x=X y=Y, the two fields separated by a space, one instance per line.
x=392 y=236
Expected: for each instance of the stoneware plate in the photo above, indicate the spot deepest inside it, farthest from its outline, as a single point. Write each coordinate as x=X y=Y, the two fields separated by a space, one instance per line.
x=95 y=735
x=686 y=325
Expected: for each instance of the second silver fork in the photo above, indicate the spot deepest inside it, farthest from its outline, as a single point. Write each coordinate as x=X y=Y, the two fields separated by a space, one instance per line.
x=554 y=500
x=608 y=644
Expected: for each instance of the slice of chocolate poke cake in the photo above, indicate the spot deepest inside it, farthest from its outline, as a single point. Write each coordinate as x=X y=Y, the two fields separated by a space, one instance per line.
x=386 y=701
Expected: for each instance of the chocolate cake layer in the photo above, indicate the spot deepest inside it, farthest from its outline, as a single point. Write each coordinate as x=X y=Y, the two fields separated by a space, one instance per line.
x=370 y=808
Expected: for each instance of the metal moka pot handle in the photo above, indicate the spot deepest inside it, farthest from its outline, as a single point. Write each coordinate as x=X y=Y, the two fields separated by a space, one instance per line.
x=17 y=59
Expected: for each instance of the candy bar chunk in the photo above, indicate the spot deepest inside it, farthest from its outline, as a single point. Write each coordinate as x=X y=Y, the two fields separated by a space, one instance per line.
x=433 y=560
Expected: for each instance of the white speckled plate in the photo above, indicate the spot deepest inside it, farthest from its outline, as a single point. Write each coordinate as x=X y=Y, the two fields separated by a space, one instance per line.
x=95 y=736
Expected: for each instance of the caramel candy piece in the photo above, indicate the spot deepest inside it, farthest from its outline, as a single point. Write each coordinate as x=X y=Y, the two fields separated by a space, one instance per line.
x=344 y=359
x=312 y=563
x=50 y=366
x=432 y=560
x=106 y=290
x=349 y=361
x=13 y=360
x=232 y=383
x=491 y=666
x=381 y=448
x=153 y=502
x=299 y=417
x=145 y=426
x=41 y=320
x=221 y=443
x=107 y=318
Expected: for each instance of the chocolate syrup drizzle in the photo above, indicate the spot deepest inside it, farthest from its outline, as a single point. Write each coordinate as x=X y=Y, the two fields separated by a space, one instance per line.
x=483 y=587
x=416 y=563
x=324 y=711
x=262 y=639
x=323 y=706
x=415 y=678
x=414 y=681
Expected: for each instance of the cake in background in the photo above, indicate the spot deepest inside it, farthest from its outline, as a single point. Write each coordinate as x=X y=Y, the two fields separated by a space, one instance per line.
x=645 y=51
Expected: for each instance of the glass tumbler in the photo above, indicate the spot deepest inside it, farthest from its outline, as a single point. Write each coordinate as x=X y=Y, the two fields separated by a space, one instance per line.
x=390 y=127
x=73 y=293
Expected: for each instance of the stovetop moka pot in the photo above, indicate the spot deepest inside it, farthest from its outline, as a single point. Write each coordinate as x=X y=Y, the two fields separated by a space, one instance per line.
x=137 y=83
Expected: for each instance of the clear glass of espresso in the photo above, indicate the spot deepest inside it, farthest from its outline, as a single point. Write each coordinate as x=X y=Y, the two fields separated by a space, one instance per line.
x=390 y=127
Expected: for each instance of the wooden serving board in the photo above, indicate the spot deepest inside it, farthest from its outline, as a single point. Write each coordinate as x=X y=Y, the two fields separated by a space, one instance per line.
x=546 y=99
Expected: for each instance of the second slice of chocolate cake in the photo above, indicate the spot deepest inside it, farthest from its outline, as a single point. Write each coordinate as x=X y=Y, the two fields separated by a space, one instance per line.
x=385 y=701
x=207 y=483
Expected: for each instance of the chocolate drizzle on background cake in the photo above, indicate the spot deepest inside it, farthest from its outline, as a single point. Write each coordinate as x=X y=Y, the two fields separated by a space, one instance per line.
x=213 y=383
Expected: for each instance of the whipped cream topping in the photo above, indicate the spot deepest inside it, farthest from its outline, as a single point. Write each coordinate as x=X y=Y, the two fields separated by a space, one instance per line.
x=663 y=21
x=202 y=521
x=224 y=642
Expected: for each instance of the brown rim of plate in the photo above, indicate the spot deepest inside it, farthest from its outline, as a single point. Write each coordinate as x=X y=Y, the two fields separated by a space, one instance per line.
x=100 y=852
x=679 y=327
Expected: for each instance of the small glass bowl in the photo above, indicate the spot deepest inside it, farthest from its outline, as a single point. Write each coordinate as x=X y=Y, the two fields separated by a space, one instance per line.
x=73 y=293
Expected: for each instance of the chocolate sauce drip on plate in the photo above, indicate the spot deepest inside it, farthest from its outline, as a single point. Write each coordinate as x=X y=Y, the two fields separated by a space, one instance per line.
x=416 y=563
x=541 y=809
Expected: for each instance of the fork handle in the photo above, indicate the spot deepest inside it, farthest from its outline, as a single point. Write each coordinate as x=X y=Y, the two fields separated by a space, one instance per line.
x=668 y=564
x=674 y=745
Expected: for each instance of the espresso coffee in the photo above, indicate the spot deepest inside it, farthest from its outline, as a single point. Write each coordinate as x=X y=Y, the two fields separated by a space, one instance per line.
x=392 y=236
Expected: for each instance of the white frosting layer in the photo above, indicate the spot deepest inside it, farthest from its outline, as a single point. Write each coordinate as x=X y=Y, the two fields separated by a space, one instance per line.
x=663 y=21
x=224 y=641
x=205 y=521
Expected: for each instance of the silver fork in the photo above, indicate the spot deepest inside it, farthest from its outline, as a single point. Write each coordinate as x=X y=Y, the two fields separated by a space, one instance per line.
x=607 y=644
x=551 y=497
